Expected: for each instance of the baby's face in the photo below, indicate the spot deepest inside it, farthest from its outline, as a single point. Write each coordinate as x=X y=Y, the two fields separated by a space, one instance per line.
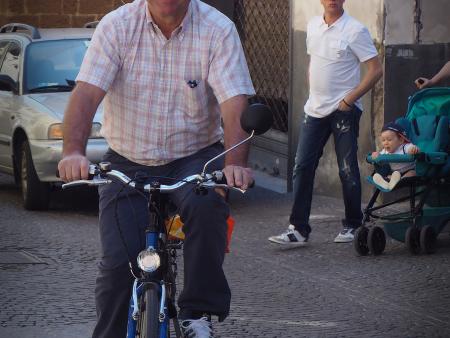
x=390 y=140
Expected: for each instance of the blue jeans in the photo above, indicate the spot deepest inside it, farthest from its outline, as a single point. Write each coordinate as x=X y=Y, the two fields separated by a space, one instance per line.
x=314 y=135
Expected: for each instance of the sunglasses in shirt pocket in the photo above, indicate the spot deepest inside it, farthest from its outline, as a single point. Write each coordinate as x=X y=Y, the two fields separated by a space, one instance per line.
x=195 y=96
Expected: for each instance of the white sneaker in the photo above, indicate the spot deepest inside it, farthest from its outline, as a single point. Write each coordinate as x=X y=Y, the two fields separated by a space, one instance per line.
x=395 y=178
x=290 y=237
x=345 y=236
x=197 y=328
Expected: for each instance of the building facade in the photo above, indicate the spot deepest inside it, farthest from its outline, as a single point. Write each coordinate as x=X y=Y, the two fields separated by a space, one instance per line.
x=412 y=37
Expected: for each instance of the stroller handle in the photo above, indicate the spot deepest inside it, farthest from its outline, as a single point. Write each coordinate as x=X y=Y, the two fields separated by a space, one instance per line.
x=390 y=158
x=435 y=157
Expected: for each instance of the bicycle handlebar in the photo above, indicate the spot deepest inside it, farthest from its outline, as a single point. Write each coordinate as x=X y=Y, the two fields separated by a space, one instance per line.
x=101 y=177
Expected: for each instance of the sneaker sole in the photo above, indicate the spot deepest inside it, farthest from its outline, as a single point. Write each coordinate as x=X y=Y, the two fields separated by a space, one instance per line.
x=343 y=240
x=287 y=243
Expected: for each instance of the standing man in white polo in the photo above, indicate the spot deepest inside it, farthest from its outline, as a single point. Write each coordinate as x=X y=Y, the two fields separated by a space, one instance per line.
x=337 y=44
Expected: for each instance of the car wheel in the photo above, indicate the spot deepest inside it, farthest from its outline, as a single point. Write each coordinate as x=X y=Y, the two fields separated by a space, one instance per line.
x=35 y=194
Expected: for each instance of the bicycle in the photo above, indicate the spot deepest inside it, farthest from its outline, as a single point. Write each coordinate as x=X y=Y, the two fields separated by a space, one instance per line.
x=152 y=303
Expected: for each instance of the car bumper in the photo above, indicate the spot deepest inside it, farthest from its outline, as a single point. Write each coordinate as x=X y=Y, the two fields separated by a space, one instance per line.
x=47 y=154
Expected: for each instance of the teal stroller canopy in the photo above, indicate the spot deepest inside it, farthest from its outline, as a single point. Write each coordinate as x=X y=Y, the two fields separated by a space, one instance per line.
x=431 y=101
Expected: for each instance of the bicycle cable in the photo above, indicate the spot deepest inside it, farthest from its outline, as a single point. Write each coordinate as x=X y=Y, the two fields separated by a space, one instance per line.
x=116 y=204
x=122 y=237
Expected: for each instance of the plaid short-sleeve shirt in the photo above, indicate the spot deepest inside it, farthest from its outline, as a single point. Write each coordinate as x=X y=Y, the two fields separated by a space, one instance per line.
x=163 y=95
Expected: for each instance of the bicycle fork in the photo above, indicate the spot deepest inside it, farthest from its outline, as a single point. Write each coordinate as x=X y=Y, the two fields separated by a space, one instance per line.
x=133 y=311
x=139 y=289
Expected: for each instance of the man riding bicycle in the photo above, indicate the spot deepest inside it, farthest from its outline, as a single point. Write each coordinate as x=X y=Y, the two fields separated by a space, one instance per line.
x=171 y=72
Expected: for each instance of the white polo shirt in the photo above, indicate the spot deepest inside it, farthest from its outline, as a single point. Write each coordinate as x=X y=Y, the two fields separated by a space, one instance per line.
x=336 y=52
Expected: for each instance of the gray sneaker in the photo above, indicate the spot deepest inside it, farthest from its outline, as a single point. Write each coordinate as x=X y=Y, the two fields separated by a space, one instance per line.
x=290 y=237
x=197 y=328
x=345 y=236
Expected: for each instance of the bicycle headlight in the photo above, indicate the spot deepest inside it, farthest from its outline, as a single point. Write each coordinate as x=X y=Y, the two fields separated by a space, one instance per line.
x=148 y=260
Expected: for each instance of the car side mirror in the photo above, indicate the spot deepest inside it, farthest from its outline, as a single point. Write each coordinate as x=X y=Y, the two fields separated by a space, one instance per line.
x=8 y=84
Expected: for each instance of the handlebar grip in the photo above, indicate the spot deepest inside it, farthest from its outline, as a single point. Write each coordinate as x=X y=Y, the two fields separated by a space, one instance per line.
x=91 y=172
x=220 y=178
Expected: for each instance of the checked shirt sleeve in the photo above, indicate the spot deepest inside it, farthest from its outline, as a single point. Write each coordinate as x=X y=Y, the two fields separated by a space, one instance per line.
x=102 y=60
x=228 y=74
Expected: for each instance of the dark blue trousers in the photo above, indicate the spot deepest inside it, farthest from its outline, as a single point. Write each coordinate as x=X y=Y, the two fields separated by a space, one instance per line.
x=314 y=134
x=205 y=286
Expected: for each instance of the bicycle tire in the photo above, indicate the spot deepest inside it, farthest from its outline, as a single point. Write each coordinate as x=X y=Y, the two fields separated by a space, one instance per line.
x=148 y=323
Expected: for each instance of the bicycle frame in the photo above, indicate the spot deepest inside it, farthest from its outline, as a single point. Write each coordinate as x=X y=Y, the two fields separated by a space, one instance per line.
x=163 y=278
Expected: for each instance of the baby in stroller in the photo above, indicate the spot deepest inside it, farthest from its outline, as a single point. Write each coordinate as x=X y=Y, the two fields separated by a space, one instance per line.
x=395 y=141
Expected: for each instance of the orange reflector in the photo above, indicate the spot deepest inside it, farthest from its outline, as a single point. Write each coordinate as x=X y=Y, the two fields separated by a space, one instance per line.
x=174 y=226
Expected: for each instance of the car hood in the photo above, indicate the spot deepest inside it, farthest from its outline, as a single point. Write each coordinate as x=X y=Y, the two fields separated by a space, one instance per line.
x=57 y=102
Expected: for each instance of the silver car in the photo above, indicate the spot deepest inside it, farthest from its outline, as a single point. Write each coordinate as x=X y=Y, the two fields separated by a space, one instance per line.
x=37 y=72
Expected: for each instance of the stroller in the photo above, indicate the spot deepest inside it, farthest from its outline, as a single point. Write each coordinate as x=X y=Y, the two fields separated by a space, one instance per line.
x=427 y=126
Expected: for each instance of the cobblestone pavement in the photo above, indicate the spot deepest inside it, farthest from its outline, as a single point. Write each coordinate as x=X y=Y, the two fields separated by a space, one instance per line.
x=323 y=290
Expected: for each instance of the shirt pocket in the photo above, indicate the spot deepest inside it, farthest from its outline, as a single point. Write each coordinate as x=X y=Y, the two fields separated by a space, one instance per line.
x=338 y=48
x=194 y=97
x=327 y=48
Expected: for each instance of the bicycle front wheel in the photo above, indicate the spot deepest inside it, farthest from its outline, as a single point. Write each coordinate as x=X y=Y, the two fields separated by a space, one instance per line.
x=148 y=322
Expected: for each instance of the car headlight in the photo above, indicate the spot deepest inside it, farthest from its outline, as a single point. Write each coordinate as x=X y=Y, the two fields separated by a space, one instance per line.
x=148 y=260
x=55 y=131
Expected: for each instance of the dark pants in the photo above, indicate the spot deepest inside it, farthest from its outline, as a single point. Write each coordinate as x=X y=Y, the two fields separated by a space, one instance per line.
x=205 y=286
x=314 y=135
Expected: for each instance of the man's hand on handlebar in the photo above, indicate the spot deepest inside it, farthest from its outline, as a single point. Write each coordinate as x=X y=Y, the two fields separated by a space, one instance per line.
x=73 y=167
x=238 y=176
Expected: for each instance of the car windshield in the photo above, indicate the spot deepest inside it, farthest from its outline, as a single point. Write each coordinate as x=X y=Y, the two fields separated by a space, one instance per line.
x=53 y=65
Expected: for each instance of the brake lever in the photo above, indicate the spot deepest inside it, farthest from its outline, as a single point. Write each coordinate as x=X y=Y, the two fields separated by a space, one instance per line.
x=221 y=185
x=95 y=182
x=225 y=186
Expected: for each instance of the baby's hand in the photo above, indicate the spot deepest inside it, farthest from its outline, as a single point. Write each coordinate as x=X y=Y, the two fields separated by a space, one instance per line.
x=375 y=154
x=413 y=150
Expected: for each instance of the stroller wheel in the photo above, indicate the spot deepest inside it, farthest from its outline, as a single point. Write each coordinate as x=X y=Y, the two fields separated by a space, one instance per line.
x=412 y=240
x=376 y=240
x=427 y=239
x=360 y=241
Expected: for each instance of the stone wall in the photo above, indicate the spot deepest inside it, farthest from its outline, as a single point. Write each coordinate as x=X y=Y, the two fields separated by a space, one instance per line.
x=55 y=13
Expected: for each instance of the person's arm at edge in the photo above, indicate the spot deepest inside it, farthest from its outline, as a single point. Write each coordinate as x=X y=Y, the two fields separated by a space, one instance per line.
x=373 y=74
x=443 y=74
x=235 y=170
x=77 y=124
